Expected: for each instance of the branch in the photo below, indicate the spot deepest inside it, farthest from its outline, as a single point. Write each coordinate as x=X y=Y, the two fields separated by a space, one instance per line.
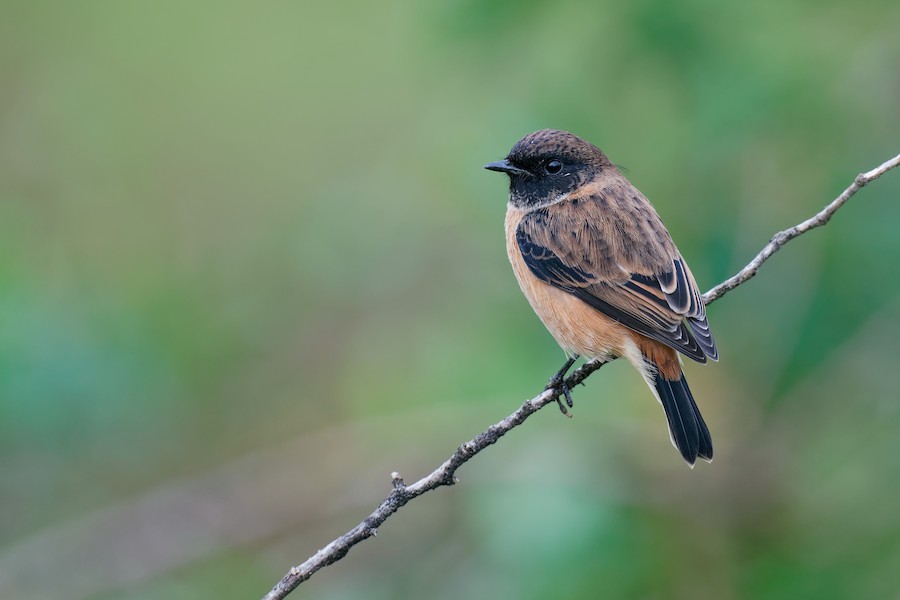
x=783 y=237
x=444 y=475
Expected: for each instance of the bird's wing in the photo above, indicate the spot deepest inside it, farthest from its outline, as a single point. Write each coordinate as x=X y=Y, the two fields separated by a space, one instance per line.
x=623 y=263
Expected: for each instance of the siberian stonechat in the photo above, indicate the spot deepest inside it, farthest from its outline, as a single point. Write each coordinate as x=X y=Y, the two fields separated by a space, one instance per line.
x=603 y=274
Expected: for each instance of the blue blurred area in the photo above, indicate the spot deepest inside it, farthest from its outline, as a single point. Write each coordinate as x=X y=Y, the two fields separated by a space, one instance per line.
x=250 y=264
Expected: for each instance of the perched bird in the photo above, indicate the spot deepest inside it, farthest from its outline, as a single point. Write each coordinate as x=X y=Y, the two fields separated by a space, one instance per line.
x=603 y=274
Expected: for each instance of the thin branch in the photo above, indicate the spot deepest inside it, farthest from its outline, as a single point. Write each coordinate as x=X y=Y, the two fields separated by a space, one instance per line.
x=444 y=475
x=783 y=237
x=402 y=493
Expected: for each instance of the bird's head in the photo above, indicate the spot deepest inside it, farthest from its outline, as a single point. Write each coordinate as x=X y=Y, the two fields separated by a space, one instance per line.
x=547 y=164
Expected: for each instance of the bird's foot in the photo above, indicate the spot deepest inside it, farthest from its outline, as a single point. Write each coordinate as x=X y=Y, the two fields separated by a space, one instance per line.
x=558 y=382
x=568 y=396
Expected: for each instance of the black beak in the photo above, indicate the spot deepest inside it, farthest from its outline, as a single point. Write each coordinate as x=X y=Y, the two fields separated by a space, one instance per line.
x=504 y=166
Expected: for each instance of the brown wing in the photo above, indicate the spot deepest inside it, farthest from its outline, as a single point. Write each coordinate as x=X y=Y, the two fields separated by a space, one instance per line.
x=622 y=262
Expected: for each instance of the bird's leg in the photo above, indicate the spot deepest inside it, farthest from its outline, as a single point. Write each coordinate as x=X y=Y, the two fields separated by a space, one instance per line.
x=558 y=381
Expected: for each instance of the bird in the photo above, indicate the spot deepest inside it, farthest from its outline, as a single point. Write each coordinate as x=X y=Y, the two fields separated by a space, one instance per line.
x=601 y=271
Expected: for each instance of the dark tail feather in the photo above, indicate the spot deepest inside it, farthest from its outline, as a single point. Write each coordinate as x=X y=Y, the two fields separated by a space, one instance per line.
x=686 y=425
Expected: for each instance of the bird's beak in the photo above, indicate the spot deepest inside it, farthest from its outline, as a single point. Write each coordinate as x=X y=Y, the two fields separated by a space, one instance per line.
x=504 y=166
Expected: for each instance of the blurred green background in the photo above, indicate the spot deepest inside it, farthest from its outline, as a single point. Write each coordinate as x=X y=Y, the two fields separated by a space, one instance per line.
x=250 y=264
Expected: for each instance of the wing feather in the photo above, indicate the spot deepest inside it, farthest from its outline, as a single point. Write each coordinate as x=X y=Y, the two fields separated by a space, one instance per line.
x=627 y=268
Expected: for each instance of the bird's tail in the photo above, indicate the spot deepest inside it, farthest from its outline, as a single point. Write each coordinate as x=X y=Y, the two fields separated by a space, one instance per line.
x=687 y=429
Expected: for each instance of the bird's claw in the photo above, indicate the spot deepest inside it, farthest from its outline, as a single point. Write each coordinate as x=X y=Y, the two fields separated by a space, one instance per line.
x=562 y=407
x=559 y=384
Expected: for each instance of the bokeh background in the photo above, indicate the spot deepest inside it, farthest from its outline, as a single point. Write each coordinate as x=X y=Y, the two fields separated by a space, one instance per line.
x=250 y=264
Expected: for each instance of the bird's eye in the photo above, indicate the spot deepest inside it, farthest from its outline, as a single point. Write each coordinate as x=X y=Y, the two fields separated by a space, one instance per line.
x=553 y=167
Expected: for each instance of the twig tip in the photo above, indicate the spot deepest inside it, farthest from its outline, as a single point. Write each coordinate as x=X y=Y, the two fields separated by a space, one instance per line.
x=397 y=481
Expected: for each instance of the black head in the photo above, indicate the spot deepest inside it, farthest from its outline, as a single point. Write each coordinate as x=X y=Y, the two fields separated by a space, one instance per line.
x=547 y=164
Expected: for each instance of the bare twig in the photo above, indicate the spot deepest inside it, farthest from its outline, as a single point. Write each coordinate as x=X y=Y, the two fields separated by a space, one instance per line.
x=783 y=237
x=445 y=474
